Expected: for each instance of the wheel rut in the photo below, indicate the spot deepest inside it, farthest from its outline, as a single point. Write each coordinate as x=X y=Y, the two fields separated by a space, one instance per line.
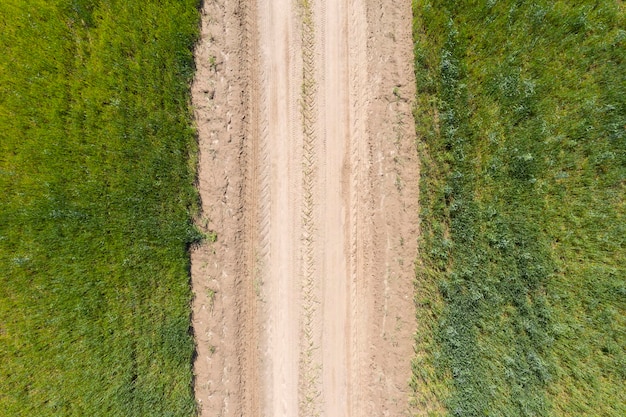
x=256 y=245
x=310 y=394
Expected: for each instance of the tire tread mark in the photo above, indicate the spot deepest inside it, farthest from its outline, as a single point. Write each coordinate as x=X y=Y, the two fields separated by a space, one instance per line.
x=249 y=327
x=310 y=394
x=358 y=190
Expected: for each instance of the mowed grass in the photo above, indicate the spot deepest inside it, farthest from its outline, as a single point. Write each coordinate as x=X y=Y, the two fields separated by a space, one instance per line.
x=96 y=194
x=521 y=284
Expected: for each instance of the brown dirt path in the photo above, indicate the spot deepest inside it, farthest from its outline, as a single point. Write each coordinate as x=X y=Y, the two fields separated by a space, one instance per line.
x=308 y=174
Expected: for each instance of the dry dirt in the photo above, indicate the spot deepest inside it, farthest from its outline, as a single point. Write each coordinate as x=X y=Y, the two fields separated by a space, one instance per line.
x=308 y=174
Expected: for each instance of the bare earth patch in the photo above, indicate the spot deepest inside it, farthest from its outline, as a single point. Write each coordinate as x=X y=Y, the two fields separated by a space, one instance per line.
x=308 y=174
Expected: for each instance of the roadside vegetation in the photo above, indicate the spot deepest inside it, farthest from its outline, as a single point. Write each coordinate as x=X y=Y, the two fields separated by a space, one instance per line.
x=96 y=183
x=521 y=284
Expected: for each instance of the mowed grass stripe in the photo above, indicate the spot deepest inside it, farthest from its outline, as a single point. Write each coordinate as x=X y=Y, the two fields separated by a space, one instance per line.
x=96 y=183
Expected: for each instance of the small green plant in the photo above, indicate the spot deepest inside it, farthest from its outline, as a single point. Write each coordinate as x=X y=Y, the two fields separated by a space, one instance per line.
x=213 y=63
x=398 y=183
x=211 y=297
x=210 y=236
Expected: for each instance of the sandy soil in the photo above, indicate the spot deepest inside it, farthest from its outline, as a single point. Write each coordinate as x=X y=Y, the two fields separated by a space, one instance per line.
x=308 y=175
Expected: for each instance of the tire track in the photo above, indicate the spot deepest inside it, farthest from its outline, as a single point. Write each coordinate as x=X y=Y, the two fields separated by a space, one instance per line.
x=337 y=359
x=358 y=189
x=261 y=158
x=255 y=230
x=310 y=396
x=279 y=88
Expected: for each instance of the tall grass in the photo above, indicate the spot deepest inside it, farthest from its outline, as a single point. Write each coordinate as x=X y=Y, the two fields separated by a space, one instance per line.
x=96 y=185
x=521 y=118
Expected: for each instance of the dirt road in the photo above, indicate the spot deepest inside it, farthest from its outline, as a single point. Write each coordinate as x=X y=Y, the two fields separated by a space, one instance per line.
x=308 y=175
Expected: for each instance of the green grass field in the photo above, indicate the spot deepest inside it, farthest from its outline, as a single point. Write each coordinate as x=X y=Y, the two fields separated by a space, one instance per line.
x=96 y=183
x=521 y=285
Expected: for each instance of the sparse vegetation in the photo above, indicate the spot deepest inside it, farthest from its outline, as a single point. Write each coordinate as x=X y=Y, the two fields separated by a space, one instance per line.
x=521 y=118
x=96 y=177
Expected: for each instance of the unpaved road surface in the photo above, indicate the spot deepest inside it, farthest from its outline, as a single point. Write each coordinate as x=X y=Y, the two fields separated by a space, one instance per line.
x=308 y=175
